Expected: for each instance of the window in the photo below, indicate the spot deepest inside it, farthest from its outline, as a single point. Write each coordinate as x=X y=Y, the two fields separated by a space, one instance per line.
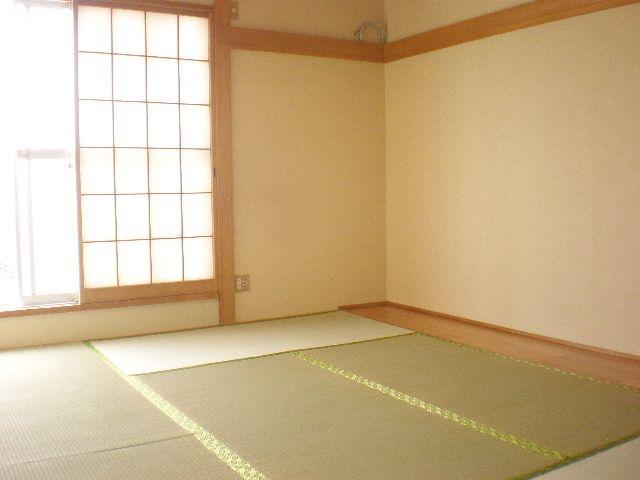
x=143 y=196
x=145 y=147
x=38 y=241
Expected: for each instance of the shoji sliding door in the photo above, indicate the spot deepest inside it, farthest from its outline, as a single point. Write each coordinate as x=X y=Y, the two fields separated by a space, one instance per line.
x=146 y=176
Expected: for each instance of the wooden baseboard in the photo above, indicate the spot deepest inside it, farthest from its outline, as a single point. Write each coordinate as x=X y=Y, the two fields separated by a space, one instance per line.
x=364 y=305
x=521 y=333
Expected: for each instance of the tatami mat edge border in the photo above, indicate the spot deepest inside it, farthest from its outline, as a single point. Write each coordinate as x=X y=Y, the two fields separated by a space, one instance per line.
x=443 y=413
x=206 y=439
x=579 y=457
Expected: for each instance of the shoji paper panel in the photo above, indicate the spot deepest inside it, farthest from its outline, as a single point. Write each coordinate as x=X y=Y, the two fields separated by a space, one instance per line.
x=129 y=78
x=100 y=264
x=162 y=35
x=166 y=258
x=94 y=75
x=96 y=170
x=94 y=29
x=145 y=138
x=198 y=258
x=134 y=263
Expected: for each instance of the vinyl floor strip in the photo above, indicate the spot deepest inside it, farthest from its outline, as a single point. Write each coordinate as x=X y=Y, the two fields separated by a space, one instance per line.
x=206 y=439
x=171 y=351
x=433 y=409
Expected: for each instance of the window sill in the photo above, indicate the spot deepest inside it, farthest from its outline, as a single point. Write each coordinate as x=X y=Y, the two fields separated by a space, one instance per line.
x=133 y=302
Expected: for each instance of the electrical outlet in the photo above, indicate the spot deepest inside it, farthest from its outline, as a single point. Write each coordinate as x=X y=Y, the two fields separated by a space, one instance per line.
x=242 y=283
x=235 y=11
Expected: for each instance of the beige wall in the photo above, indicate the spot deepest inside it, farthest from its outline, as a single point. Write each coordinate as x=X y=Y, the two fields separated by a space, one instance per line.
x=408 y=17
x=308 y=149
x=513 y=180
x=108 y=323
x=329 y=18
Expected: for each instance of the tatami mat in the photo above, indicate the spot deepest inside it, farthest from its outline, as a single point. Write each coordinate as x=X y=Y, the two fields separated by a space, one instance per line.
x=63 y=400
x=169 y=351
x=402 y=407
x=294 y=421
x=178 y=459
x=564 y=412
x=619 y=463
x=323 y=412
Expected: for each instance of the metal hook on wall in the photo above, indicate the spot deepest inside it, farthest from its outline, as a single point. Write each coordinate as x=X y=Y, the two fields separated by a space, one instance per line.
x=382 y=32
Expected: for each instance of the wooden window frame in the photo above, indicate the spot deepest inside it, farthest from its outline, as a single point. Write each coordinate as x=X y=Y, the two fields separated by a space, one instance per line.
x=160 y=6
x=222 y=201
x=178 y=290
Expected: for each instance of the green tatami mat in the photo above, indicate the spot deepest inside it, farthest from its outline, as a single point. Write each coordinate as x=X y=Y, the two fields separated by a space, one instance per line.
x=291 y=420
x=563 y=412
x=63 y=400
x=177 y=459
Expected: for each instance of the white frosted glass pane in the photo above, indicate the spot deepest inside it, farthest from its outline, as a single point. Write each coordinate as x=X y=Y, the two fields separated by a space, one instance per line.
x=162 y=35
x=128 y=32
x=134 y=263
x=96 y=170
x=52 y=232
x=133 y=217
x=164 y=171
x=94 y=75
x=131 y=170
x=196 y=212
x=197 y=175
x=194 y=82
x=130 y=124
x=95 y=124
x=165 y=216
x=99 y=261
x=194 y=38
x=195 y=126
x=198 y=258
x=163 y=126
x=128 y=78
x=166 y=259
x=162 y=80
x=98 y=218
x=94 y=29
x=36 y=76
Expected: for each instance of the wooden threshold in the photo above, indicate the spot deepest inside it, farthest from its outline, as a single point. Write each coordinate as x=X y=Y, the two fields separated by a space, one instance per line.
x=522 y=16
x=599 y=363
